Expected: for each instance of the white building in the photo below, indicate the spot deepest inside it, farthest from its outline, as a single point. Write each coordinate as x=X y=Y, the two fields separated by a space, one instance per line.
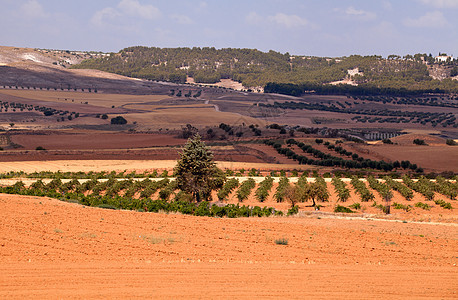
x=444 y=58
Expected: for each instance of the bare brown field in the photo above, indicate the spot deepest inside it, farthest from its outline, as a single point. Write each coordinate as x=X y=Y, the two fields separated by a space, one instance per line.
x=56 y=249
x=99 y=145
x=96 y=99
x=433 y=158
x=95 y=140
x=146 y=112
x=407 y=139
x=174 y=118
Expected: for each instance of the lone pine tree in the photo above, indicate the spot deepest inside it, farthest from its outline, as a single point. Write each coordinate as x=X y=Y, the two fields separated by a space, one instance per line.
x=196 y=173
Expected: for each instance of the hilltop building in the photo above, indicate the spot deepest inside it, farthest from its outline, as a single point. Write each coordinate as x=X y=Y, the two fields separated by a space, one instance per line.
x=444 y=58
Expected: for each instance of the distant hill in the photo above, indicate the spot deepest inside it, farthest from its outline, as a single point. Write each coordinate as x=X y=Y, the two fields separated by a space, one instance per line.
x=254 y=68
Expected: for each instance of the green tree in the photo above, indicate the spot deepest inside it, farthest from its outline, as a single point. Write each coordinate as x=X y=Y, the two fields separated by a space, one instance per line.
x=118 y=120
x=449 y=142
x=196 y=172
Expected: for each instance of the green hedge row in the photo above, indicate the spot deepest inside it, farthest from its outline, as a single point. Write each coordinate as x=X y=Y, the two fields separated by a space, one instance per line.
x=144 y=204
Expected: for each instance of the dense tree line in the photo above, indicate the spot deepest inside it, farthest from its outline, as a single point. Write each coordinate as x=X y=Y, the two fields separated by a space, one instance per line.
x=392 y=89
x=324 y=159
x=254 y=68
x=383 y=115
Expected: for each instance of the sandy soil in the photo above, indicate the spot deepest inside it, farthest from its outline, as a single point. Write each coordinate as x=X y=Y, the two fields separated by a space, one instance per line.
x=85 y=166
x=52 y=249
x=121 y=165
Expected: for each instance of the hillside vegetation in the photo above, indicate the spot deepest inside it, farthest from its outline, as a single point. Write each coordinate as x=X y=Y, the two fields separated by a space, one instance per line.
x=254 y=68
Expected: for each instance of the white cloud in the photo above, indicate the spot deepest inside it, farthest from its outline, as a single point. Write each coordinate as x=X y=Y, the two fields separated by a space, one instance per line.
x=203 y=4
x=253 y=18
x=281 y=19
x=134 y=8
x=441 y=3
x=385 y=29
x=33 y=9
x=433 y=19
x=131 y=8
x=182 y=19
x=360 y=14
x=288 y=21
x=101 y=16
x=387 y=5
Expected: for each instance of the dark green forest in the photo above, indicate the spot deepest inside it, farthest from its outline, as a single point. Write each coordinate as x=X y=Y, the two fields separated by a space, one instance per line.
x=254 y=68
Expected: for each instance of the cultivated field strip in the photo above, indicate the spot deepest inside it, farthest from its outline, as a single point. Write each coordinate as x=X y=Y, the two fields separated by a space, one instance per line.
x=243 y=194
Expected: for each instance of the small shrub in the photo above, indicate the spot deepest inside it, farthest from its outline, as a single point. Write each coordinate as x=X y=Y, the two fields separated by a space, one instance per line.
x=401 y=206
x=356 y=205
x=443 y=204
x=387 y=141
x=278 y=213
x=293 y=210
x=40 y=148
x=342 y=209
x=419 y=142
x=450 y=142
x=106 y=206
x=422 y=205
x=281 y=241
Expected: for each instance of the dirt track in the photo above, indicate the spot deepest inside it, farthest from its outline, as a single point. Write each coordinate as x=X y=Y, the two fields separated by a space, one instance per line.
x=52 y=249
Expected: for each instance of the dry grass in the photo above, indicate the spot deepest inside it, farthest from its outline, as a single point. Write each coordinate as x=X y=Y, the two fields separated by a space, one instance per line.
x=96 y=99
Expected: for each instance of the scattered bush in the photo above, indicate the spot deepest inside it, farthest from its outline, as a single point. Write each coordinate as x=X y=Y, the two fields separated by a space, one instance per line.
x=422 y=205
x=402 y=206
x=419 y=142
x=342 y=209
x=118 y=120
x=293 y=211
x=282 y=241
x=450 y=142
x=443 y=204
x=106 y=206
x=355 y=205
x=387 y=141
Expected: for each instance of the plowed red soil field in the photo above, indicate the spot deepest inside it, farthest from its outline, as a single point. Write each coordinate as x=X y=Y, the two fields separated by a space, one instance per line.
x=51 y=249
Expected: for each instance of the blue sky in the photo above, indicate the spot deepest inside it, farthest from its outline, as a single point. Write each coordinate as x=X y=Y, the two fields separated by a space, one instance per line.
x=302 y=27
